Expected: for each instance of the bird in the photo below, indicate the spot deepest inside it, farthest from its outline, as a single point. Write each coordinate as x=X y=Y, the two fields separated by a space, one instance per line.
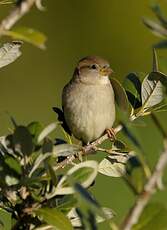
x=88 y=101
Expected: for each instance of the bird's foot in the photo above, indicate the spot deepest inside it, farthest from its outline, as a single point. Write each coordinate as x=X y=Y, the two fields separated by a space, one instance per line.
x=111 y=133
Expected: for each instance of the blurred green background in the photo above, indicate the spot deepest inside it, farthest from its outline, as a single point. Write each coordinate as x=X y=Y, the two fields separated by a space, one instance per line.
x=110 y=28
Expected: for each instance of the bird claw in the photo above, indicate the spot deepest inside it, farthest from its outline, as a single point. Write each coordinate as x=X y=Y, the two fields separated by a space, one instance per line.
x=111 y=133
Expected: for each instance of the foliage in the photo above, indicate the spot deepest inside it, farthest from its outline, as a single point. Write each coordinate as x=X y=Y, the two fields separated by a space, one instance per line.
x=43 y=184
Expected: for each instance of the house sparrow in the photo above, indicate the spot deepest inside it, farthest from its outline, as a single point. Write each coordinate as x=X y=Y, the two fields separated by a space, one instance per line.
x=88 y=100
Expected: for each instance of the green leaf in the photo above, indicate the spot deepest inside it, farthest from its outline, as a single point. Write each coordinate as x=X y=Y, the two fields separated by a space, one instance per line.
x=161 y=45
x=66 y=203
x=157 y=10
x=22 y=140
x=65 y=149
x=135 y=175
x=47 y=130
x=55 y=218
x=155 y=61
x=84 y=173
x=6 y=2
x=113 y=165
x=153 y=217
x=76 y=222
x=155 y=28
x=9 y=52
x=34 y=128
x=120 y=95
x=5 y=220
x=132 y=86
x=30 y=35
x=152 y=91
x=13 y=164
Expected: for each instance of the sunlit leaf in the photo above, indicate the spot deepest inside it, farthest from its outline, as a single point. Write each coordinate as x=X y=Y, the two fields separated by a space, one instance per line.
x=76 y=222
x=153 y=217
x=9 y=52
x=84 y=173
x=152 y=91
x=13 y=164
x=5 y=220
x=65 y=149
x=29 y=35
x=40 y=159
x=47 y=130
x=113 y=165
x=34 y=128
x=55 y=218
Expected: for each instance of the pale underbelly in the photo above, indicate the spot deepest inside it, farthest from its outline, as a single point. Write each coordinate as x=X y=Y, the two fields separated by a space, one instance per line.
x=91 y=113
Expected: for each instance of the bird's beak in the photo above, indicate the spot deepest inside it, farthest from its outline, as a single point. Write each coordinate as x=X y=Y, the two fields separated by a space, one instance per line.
x=106 y=71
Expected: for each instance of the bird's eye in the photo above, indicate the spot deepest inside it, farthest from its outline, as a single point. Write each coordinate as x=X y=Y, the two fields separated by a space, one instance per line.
x=93 y=67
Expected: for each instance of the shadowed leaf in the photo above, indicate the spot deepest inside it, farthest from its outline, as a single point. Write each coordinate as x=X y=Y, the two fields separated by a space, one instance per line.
x=55 y=218
x=132 y=86
x=22 y=140
x=120 y=95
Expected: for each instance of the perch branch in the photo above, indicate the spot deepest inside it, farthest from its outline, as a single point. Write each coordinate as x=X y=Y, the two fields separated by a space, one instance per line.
x=18 y=12
x=86 y=149
x=149 y=188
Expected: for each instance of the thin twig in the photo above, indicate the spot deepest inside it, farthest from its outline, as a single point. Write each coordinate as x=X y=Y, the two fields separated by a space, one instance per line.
x=18 y=12
x=86 y=149
x=149 y=188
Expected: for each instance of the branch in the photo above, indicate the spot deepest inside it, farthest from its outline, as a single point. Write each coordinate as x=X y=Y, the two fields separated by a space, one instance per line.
x=86 y=149
x=149 y=188
x=18 y=12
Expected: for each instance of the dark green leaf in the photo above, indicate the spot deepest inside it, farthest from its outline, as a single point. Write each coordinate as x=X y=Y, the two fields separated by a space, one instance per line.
x=135 y=174
x=120 y=95
x=160 y=45
x=55 y=218
x=66 y=203
x=29 y=35
x=132 y=86
x=22 y=140
x=153 y=217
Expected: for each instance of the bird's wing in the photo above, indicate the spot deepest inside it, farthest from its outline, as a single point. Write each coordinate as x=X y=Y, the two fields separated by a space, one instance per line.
x=62 y=119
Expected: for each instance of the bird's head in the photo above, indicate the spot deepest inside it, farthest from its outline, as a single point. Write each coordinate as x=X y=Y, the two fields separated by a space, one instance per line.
x=93 y=69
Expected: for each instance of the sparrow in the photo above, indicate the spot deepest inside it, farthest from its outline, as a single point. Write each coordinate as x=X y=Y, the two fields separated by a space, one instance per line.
x=88 y=100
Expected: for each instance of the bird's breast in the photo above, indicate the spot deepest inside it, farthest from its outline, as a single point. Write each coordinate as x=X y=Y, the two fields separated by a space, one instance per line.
x=88 y=109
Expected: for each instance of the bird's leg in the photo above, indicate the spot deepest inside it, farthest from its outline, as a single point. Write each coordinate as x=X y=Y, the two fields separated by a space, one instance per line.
x=111 y=133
